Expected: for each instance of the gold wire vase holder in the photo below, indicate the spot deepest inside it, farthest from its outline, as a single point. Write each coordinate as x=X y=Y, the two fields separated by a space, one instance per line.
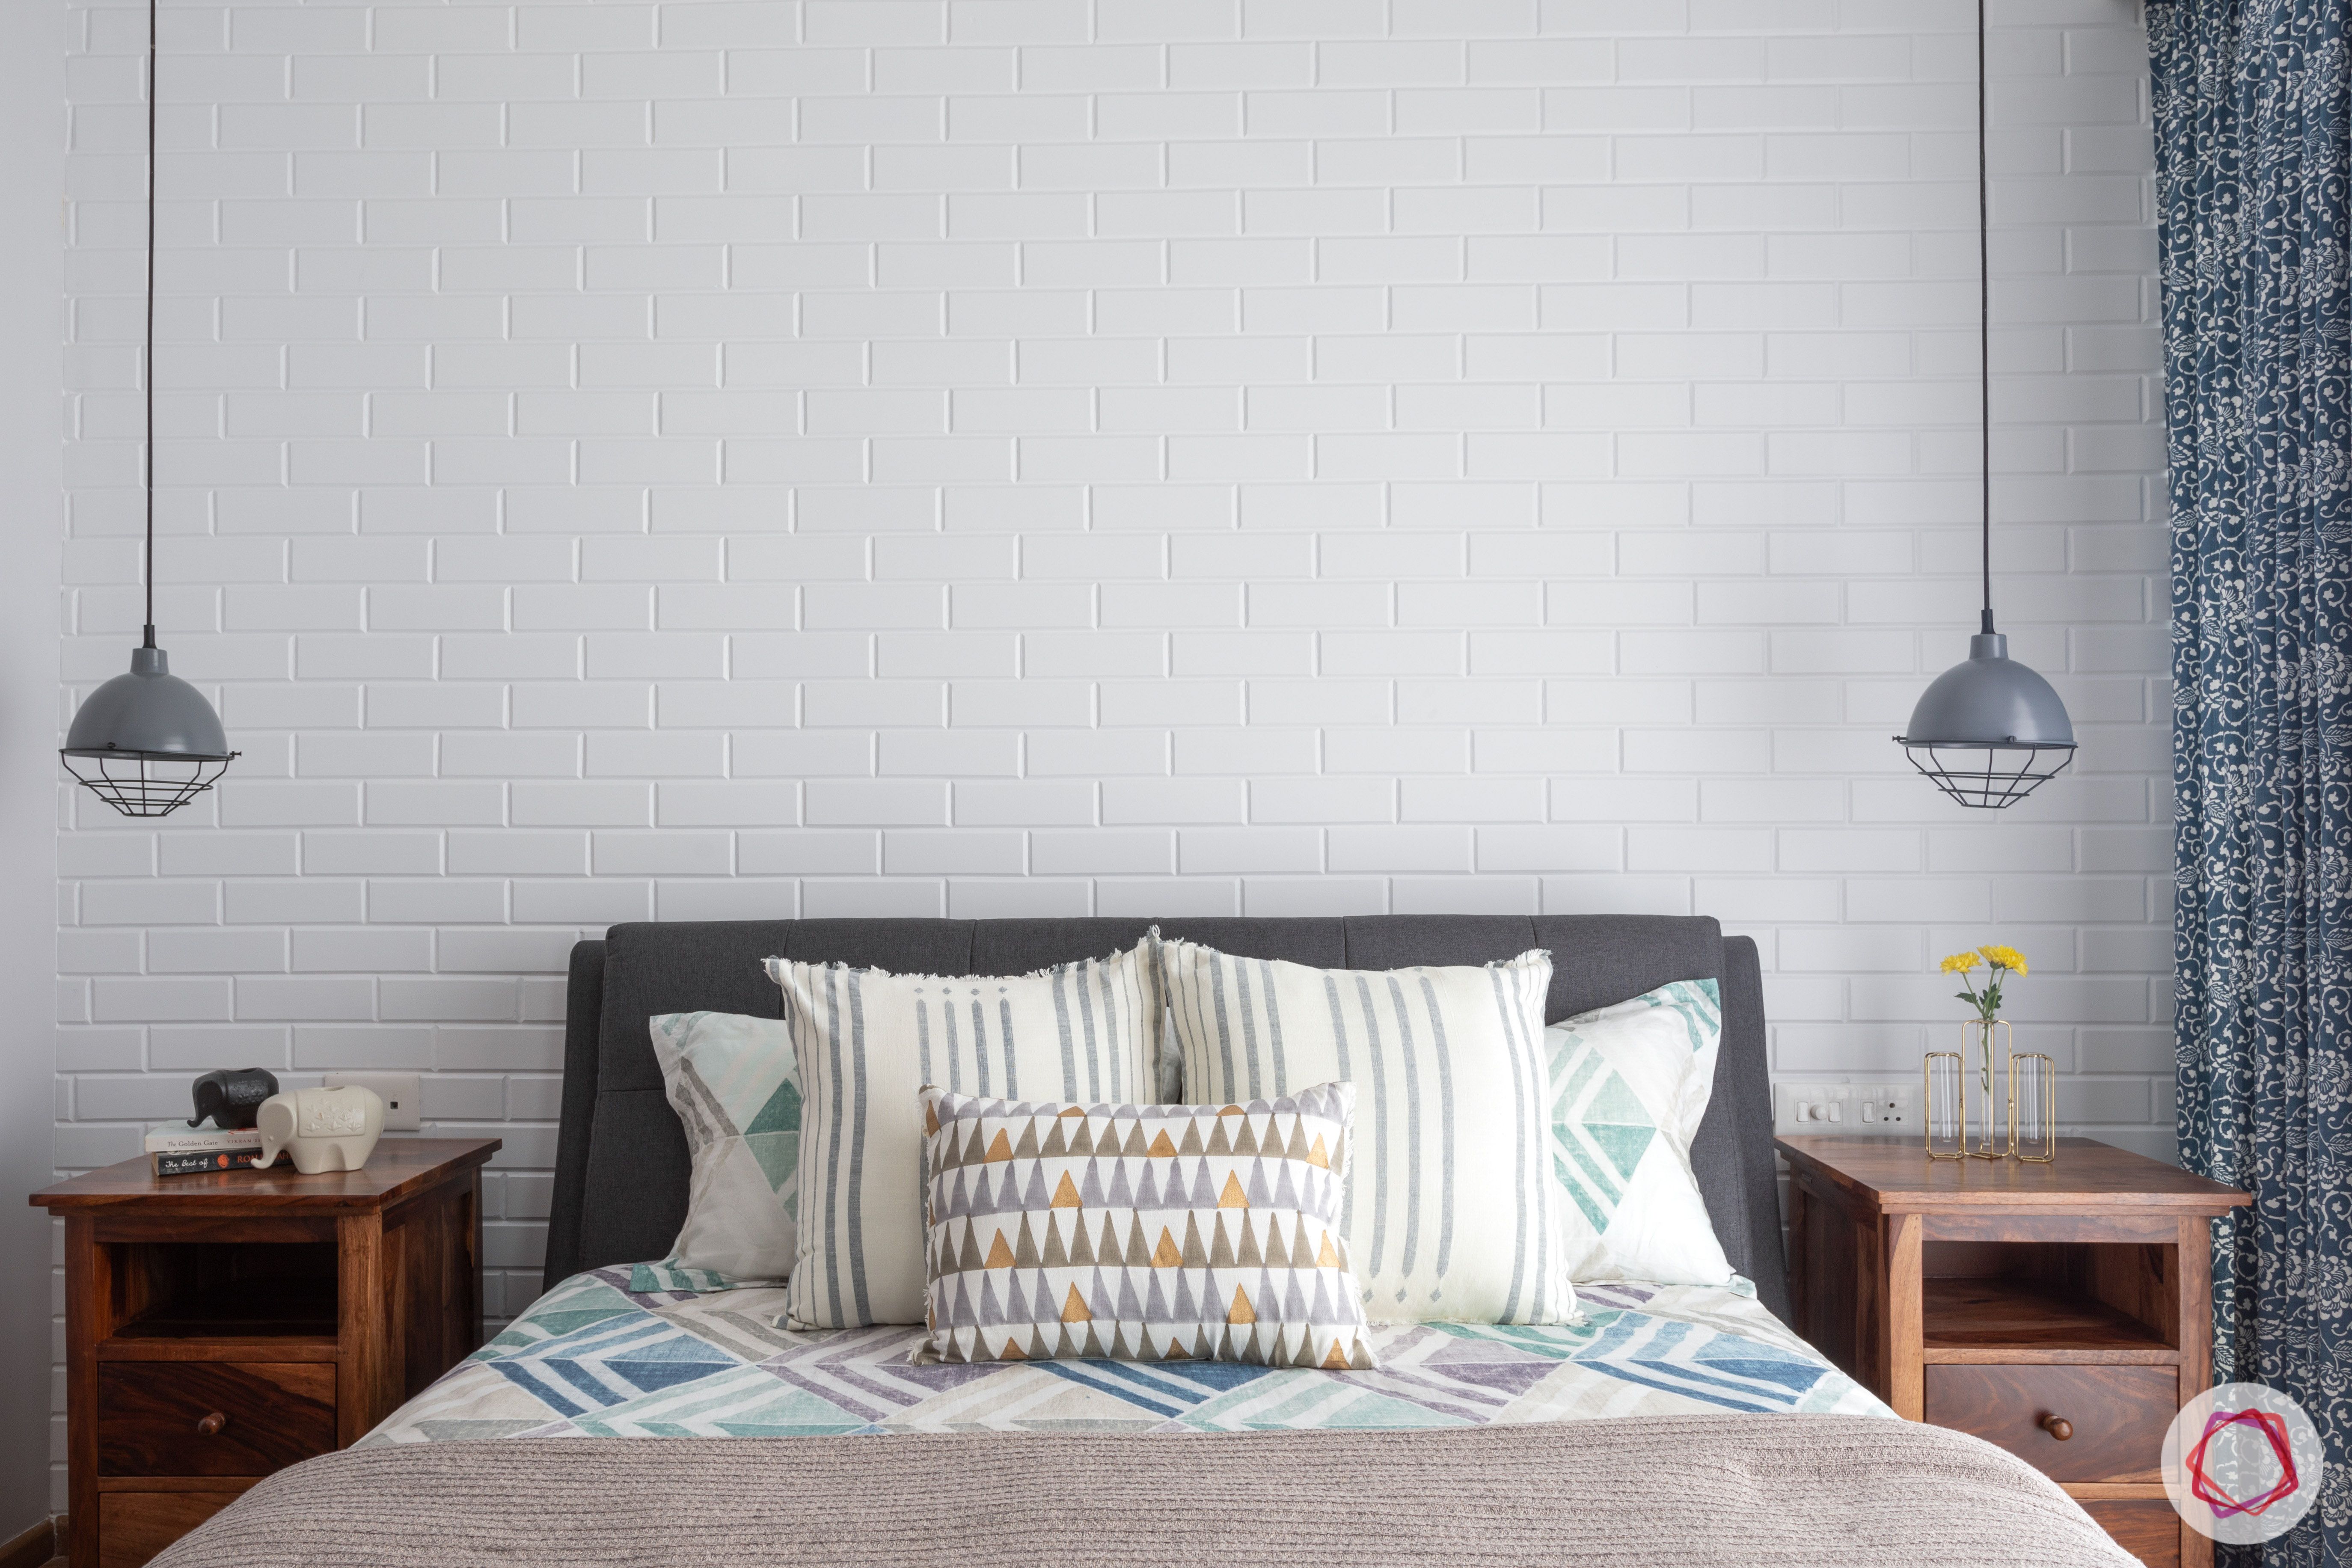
x=1959 y=1125
x=1944 y=1097
x=2032 y=1108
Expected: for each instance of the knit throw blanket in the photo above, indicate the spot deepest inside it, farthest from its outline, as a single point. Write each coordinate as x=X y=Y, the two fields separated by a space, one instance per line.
x=1821 y=1492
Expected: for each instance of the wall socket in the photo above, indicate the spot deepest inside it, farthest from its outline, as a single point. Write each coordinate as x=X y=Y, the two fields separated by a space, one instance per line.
x=1843 y=1106
x=398 y=1090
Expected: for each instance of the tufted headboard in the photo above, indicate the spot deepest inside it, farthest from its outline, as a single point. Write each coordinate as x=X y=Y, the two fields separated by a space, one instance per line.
x=621 y=1161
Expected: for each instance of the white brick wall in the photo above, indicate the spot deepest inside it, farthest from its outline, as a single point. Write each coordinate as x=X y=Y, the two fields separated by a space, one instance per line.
x=32 y=331
x=1020 y=456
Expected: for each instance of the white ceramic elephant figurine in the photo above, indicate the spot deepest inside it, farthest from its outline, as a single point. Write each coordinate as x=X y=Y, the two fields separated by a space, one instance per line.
x=321 y=1129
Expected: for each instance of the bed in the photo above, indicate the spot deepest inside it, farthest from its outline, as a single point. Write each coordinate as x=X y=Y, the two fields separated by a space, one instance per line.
x=616 y=1421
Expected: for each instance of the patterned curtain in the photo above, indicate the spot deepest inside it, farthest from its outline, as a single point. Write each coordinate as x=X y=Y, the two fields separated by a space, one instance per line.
x=2252 y=166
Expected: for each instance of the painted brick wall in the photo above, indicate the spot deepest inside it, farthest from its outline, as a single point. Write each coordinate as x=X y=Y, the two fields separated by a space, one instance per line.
x=1022 y=456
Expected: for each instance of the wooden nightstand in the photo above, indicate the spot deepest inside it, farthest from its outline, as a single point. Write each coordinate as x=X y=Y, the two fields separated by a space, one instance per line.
x=2018 y=1302
x=222 y=1327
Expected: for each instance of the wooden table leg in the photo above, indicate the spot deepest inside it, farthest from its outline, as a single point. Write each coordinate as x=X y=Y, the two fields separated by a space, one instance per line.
x=1905 y=1319
x=85 y=1303
x=364 y=1393
x=2194 y=1261
x=2196 y=1266
x=470 y=1263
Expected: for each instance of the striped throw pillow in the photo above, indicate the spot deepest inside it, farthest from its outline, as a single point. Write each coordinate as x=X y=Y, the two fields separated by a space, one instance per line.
x=867 y=1041
x=1629 y=1086
x=1452 y=1211
x=1141 y=1233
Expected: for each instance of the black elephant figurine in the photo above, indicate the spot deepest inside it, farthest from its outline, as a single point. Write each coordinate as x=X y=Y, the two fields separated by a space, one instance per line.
x=233 y=1097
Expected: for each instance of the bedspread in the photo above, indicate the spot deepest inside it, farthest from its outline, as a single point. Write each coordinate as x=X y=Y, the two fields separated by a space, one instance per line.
x=1764 y=1491
x=594 y=1358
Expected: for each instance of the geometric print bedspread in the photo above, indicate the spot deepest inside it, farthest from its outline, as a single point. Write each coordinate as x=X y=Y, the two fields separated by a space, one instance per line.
x=594 y=1358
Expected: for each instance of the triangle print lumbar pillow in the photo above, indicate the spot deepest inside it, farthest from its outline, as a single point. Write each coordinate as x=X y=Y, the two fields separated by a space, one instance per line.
x=1141 y=1232
x=733 y=1081
x=1629 y=1085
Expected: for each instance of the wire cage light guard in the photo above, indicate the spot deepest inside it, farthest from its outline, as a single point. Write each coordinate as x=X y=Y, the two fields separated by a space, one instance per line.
x=1988 y=776
x=146 y=783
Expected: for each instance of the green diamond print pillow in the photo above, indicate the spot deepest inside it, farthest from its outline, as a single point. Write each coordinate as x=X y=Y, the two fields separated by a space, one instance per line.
x=736 y=1087
x=1629 y=1084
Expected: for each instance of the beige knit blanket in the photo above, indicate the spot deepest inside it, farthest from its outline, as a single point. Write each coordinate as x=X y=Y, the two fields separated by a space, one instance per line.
x=1819 y=1491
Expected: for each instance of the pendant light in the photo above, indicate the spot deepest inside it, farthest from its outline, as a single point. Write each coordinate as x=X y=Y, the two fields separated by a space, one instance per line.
x=1989 y=731
x=147 y=742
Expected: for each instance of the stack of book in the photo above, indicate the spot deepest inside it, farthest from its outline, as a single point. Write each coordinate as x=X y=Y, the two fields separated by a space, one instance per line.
x=176 y=1149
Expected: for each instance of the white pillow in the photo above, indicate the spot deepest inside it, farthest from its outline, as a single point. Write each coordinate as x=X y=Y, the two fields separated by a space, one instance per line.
x=1629 y=1085
x=1451 y=1213
x=868 y=1040
x=736 y=1089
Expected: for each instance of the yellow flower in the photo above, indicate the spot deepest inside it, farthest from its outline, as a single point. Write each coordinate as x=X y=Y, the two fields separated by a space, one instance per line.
x=1959 y=963
x=2002 y=957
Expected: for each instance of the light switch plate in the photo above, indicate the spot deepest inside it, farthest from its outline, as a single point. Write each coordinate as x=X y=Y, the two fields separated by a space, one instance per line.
x=402 y=1112
x=1821 y=1106
x=1838 y=1105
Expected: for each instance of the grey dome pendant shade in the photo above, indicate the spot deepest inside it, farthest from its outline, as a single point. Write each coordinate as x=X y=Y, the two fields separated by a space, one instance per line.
x=147 y=742
x=1989 y=731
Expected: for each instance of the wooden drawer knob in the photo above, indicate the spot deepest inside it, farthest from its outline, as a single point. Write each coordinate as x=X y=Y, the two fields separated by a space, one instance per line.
x=2058 y=1426
x=212 y=1426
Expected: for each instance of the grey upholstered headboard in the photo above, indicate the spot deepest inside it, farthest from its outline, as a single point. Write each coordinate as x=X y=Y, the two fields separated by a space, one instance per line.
x=621 y=1159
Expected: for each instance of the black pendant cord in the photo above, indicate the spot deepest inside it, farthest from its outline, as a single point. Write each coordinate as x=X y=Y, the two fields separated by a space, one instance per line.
x=147 y=370
x=1983 y=301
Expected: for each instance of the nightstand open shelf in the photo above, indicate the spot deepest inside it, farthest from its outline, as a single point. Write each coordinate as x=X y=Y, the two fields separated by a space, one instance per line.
x=239 y=1301
x=2019 y=1303
x=1976 y=1318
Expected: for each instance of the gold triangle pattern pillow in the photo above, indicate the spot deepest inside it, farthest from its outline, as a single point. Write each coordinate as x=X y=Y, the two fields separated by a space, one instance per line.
x=1141 y=1232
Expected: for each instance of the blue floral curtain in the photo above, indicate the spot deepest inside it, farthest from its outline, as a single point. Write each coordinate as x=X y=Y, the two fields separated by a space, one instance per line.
x=2252 y=168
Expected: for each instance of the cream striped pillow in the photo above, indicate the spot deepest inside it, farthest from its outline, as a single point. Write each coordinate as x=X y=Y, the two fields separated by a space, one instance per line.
x=1452 y=1211
x=867 y=1041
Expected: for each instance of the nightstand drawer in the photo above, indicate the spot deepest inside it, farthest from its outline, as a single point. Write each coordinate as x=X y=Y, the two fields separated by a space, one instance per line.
x=211 y=1418
x=2117 y=1414
x=134 y=1526
x=2148 y=1529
